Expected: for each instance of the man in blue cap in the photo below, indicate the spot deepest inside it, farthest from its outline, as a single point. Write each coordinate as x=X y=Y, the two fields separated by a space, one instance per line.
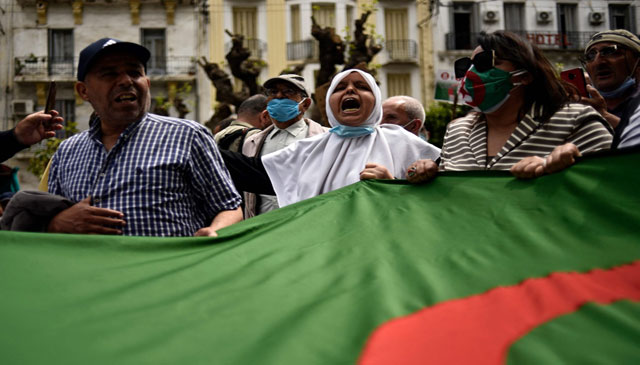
x=132 y=172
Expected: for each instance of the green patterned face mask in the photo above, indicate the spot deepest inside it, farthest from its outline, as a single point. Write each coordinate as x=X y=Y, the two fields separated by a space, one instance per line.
x=488 y=91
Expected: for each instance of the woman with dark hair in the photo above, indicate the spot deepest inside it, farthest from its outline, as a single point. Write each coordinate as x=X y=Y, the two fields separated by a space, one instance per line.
x=523 y=120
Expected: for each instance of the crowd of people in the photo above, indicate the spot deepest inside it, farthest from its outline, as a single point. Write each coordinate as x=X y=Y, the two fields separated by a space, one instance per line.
x=136 y=173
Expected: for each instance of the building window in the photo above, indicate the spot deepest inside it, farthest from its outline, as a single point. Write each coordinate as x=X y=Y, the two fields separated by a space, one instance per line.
x=620 y=17
x=295 y=23
x=567 y=24
x=245 y=22
x=396 y=24
x=463 y=25
x=61 y=52
x=398 y=84
x=324 y=14
x=155 y=41
x=350 y=23
x=514 y=16
x=397 y=43
x=67 y=109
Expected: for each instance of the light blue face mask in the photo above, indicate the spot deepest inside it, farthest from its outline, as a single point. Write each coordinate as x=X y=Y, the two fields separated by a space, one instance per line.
x=283 y=110
x=620 y=90
x=345 y=131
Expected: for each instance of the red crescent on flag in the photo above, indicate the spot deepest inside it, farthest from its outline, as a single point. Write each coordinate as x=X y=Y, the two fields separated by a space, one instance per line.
x=478 y=89
x=481 y=328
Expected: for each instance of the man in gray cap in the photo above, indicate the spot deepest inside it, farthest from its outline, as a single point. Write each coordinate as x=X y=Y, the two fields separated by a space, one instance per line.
x=611 y=60
x=133 y=172
x=287 y=101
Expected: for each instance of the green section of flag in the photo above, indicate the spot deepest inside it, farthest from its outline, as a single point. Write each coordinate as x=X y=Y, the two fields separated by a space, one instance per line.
x=308 y=283
x=595 y=334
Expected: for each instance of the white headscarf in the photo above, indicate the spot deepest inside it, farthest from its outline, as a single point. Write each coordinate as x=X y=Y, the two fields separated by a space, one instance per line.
x=376 y=114
x=327 y=162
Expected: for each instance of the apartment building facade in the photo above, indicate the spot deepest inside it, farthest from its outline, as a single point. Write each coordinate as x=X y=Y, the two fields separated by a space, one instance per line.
x=279 y=32
x=560 y=28
x=44 y=38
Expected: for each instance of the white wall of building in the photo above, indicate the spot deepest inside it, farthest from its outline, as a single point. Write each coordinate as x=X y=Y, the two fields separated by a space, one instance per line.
x=183 y=39
x=441 y=24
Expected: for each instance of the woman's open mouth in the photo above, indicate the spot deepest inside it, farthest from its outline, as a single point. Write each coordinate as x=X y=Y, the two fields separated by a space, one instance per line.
x=350 y=105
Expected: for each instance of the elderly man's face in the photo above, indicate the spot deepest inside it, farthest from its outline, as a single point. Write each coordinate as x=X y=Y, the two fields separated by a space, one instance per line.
x=282 y=90
x=608 y=72
x=117 y=88
x=393 y=112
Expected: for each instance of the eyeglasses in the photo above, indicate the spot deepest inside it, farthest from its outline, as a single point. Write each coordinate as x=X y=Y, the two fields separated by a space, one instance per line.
x=288 y=93
x=484 y=61
x=608 y=51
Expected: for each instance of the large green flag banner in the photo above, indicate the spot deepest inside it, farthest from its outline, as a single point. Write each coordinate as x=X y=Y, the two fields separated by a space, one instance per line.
x=474 y=267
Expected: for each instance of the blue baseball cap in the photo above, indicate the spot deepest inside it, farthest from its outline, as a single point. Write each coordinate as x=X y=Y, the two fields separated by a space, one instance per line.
x=91 y=53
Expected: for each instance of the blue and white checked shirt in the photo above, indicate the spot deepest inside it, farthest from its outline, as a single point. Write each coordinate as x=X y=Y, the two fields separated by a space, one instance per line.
x=164 y=174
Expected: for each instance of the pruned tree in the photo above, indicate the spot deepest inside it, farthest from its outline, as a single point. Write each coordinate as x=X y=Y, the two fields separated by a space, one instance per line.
x=363 y=47
x=222 y=82
x=331 y=52
x=241 y=66
x=181 y=107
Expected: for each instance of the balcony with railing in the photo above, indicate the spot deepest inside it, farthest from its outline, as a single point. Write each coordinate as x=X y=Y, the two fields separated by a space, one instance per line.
x=302 y=50
x=401 y=50
x=33 y=67
x=571 y=41
x=255 y=46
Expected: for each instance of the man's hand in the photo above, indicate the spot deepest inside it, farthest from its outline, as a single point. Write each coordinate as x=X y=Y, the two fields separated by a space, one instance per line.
x=223 y=219
x=600 y=105
x=422 y=171
x=560 y=158
x=375 y=171
x=38 y=126
x=83 y=218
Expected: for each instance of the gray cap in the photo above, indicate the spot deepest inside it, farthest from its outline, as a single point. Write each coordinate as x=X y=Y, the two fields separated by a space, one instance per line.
x=620 y=36
x=294 y=80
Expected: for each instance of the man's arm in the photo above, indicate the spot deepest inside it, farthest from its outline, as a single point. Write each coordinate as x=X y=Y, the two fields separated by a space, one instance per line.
x=223 y=219
x=248 y=173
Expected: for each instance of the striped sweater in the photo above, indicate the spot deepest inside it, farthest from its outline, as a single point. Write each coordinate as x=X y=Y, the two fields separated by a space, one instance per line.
x=465 y=143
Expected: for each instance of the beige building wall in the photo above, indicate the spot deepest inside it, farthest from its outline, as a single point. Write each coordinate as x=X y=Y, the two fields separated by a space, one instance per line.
x=425 y=48
x=276 y=36
x=277 y=28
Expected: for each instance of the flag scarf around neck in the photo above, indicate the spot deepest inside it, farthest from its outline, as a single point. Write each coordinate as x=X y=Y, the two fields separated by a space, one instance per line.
x=327 y=162
x=320 y=281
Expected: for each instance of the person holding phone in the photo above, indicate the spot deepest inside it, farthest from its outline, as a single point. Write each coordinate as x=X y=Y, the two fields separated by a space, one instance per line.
x=31 y=130
x=611 y=60
x=523 y=120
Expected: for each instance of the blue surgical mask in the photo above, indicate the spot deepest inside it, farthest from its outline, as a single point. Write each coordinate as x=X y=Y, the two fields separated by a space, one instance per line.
x=620 y=90
x=283 y=110
x=346 y=131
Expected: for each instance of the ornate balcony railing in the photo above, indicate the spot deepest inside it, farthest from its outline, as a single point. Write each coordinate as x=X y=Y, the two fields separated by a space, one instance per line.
x=401 y=49
x=302 y=50
x=545 y=40
x=256 y=46
x=45 y=66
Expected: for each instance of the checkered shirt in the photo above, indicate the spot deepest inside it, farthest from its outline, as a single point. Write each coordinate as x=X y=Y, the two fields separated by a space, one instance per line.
x=164 y=174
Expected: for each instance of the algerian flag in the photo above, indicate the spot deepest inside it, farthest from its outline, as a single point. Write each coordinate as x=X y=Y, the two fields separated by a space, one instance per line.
x=474 y=267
